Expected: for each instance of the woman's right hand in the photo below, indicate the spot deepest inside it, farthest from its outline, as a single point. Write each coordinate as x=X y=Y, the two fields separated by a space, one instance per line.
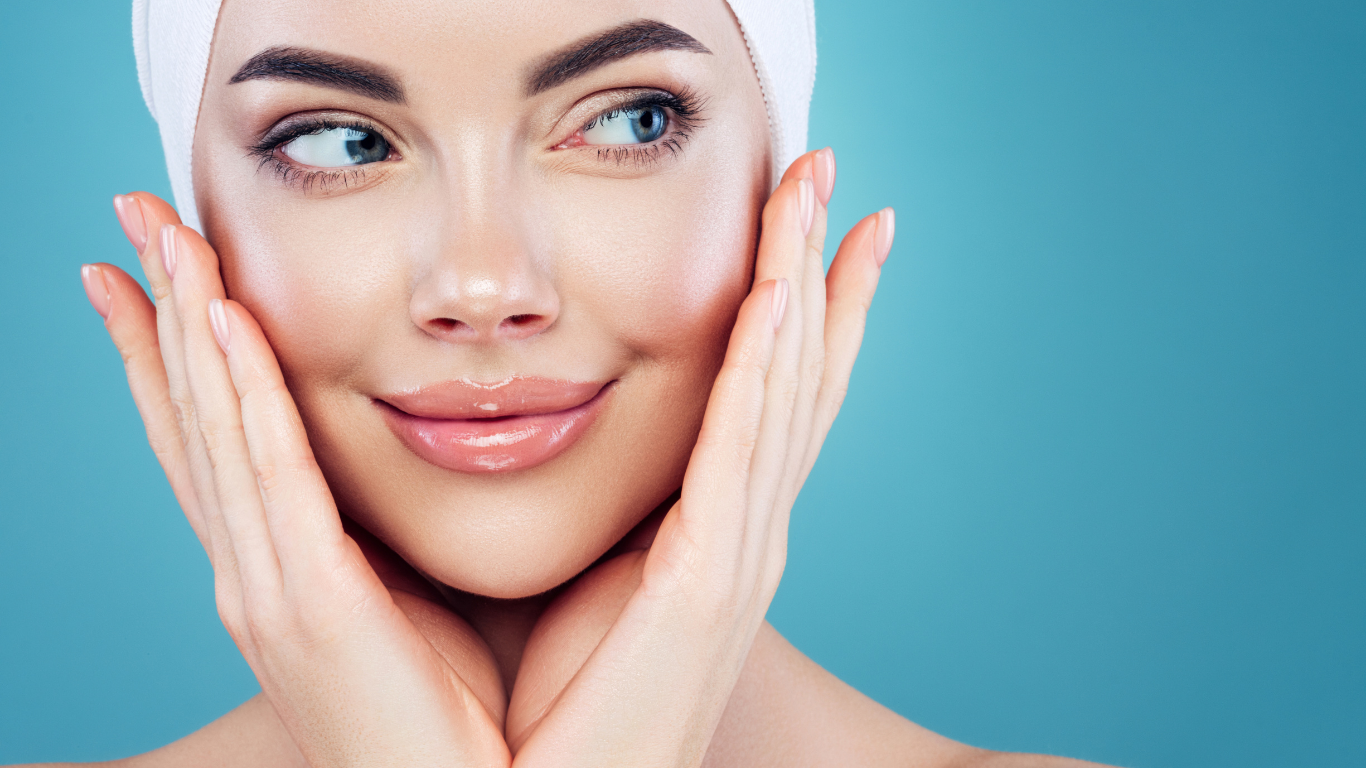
x=359 y=672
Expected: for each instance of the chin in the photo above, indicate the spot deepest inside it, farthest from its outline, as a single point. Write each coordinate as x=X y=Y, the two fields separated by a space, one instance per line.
x=517 y=533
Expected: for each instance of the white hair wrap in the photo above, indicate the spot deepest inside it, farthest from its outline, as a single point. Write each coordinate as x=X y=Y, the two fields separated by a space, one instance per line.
x=171 y=40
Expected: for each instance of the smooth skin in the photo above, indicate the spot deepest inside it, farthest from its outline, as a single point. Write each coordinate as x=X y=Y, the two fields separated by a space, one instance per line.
x=400 y=614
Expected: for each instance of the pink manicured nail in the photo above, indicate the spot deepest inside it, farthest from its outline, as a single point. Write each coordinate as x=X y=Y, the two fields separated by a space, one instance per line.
x=806 y=200
x=129 y=211
x=886 y=230
x=96 y=289
x=168 y=243
x=824 y=171
x=218 y=320
x=779 y=302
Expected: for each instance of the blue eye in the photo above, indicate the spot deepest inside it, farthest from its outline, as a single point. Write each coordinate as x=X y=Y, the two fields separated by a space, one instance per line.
x=627 y=126
x=337 y=148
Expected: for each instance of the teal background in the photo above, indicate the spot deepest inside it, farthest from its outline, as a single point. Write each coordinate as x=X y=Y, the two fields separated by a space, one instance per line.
x=1100 y=485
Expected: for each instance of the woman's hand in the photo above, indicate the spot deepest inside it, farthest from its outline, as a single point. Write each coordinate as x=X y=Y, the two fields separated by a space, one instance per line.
x=360 y=673
x=634 y=664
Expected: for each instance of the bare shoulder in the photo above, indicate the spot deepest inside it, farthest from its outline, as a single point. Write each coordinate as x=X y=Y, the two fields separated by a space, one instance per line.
x=1013 y=760
x=788 y=711
x=785 y=711
x=250 y=736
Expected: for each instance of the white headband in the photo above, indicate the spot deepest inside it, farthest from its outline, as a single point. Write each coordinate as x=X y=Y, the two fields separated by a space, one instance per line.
x=171 y=39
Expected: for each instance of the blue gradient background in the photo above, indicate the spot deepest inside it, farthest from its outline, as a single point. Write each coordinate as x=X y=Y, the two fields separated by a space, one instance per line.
x=1100 y=486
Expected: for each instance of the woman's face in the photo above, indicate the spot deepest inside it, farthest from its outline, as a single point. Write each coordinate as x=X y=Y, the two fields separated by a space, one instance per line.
x=498 y=249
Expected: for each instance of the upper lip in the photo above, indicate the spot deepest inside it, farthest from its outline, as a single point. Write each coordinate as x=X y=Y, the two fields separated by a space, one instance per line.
x=513 y=396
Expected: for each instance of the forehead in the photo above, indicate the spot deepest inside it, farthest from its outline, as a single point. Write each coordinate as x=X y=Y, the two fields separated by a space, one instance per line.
x=474 y=38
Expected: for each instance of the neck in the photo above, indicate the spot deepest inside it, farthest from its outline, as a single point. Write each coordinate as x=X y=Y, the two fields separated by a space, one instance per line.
x=505 y=625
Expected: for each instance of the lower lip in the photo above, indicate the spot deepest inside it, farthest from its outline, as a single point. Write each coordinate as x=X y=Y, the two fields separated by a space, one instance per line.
x=493 y=445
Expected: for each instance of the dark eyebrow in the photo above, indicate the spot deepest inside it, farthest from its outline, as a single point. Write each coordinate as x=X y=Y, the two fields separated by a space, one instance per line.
x=326 y=69
x=612 y=45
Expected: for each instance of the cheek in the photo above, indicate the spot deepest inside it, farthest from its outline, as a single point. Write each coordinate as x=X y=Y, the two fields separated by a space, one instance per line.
x=322 y=286
x=662 y=265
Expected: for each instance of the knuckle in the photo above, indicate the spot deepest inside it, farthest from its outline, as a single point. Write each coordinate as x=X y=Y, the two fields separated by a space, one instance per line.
x=229 y=611
x=214 y=437
x=233 y=625
x=834 y=395
x=773 y=575
x=249 y=396
x=674 y=566
x=184 y=412
x=168 y=454
x=268 y=480
x=813 y=371
x=251 y=390
x=131 y=354
x=743 y=448
x=273 y=478
x=838 y=393
x=261 y=624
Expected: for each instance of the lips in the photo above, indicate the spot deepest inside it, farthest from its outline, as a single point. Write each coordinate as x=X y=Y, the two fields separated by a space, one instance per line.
x=517 y=423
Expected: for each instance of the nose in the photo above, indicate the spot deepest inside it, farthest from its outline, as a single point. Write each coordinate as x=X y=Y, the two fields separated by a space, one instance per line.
x=484 y=286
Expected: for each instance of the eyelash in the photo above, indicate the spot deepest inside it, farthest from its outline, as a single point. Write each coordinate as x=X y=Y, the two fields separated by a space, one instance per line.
x=292 y=174
x=684 y=118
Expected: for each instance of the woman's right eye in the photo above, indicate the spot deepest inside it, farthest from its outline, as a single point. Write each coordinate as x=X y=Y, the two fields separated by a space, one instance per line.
x=337 y=148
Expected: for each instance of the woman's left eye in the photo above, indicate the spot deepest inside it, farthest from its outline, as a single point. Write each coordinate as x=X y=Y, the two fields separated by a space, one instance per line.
x=337 y=148
x=627 y=126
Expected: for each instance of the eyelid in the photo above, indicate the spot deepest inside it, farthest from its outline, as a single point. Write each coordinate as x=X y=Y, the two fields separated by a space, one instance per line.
x=306 y=177
x=291 y=127
x=684 y=108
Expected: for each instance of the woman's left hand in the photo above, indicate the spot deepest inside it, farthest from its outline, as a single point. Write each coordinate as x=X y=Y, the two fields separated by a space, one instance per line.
x=635 y=663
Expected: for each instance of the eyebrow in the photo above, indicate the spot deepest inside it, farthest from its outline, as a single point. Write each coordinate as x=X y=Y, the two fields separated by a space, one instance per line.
x=328 y=70
x=615 y=44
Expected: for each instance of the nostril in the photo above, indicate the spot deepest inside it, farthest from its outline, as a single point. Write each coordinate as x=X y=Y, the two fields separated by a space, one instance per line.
x=511 y=327
x=446 y=324
x=522 y=326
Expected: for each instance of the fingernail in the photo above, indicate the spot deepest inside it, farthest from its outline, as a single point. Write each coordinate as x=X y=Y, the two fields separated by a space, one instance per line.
x=168 y=242
x=779 y=302
x=218 y=320
x=129 y=211
x=886 y=230
x=824 y=172
x=806 y=198
x=96 y=289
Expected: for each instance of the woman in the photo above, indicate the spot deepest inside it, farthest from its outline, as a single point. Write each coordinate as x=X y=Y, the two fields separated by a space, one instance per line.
x=491 y=383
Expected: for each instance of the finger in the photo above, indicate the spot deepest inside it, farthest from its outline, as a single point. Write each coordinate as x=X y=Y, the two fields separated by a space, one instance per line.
x=783 y=253
x=143 y=217
x=150 y=214
x=851 y=284
x=819 y=167
x=131 y=321
x=309 y=538
x=717 y=479
x=218 y=412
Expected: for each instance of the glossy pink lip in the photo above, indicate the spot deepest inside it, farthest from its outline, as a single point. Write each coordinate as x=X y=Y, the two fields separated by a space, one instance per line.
x=517 y=423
